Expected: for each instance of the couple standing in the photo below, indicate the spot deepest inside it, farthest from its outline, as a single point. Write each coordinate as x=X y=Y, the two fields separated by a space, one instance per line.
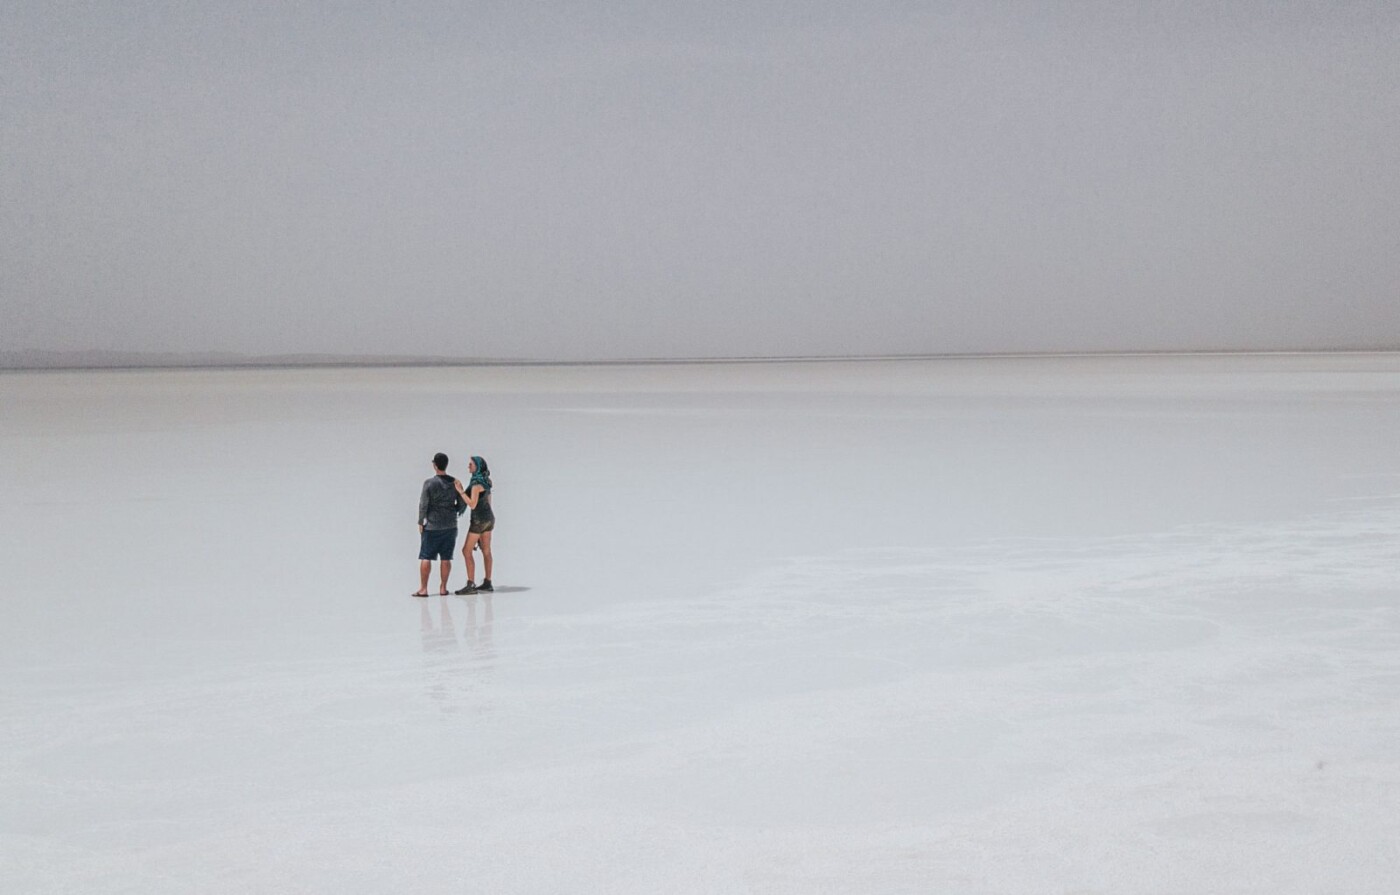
x=442 y=500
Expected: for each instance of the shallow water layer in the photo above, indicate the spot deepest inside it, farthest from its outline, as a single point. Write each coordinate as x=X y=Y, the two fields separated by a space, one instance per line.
x=1074 y=625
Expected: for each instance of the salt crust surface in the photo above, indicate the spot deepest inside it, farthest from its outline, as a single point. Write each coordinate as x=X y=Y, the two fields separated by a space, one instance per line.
x=1101 y=625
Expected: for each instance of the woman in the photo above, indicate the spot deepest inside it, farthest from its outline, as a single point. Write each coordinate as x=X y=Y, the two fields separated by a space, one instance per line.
x=477 y=495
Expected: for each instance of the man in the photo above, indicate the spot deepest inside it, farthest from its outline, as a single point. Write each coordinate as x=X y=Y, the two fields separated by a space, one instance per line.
x=439 y=505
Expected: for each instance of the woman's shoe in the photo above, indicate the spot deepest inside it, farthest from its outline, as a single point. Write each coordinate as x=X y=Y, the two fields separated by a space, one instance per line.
x=469 y=589
x=486 y=585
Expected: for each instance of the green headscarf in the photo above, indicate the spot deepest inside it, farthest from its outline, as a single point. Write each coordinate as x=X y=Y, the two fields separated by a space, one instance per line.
x=481 y=477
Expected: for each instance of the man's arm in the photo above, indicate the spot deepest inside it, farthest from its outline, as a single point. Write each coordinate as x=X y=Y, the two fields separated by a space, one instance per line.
x=423 y=506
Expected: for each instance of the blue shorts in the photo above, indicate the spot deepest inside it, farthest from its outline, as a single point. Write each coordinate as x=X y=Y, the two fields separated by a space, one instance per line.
x=437 y=543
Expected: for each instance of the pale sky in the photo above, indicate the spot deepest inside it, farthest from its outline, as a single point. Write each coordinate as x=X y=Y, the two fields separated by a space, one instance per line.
x=636 y=179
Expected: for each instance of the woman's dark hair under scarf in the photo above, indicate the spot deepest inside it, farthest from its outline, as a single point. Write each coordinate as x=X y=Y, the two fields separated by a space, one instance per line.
x=482 y=476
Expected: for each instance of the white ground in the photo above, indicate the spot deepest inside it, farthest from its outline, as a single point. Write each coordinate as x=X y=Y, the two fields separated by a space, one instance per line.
x=1109 y=626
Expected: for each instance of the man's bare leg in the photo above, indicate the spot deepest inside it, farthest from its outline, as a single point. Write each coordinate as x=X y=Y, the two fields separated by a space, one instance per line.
x=425 y=566
x=444 y=569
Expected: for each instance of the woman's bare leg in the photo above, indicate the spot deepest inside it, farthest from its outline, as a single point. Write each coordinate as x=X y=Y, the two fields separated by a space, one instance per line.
x=486 y=553
x=467 y=549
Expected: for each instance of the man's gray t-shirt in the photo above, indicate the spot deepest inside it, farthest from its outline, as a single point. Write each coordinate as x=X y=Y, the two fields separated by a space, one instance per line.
x=439 y=504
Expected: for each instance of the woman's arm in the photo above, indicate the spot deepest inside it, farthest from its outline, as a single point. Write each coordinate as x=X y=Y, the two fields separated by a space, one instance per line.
x=461 y=492
x=472 y=496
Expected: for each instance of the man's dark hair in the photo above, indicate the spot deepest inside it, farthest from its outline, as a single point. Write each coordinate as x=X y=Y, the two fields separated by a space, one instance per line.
x=440 y=461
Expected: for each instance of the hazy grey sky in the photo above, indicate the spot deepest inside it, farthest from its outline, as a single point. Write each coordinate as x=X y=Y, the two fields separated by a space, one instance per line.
x=659 y=178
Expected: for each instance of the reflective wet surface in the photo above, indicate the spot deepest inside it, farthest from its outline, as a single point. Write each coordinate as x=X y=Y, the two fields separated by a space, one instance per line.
x=1113 y=625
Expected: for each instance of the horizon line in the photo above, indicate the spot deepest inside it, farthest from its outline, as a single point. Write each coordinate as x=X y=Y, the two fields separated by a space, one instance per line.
x=228 y=361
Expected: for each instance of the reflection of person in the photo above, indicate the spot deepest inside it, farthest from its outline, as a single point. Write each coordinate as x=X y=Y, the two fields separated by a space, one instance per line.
x=443 y=656
x=439 y=504
x=477 y=495
x=440 y=638
x=478 y=637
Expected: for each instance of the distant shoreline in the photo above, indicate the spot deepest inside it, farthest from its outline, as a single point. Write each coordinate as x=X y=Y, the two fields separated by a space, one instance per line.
x=40 y=362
